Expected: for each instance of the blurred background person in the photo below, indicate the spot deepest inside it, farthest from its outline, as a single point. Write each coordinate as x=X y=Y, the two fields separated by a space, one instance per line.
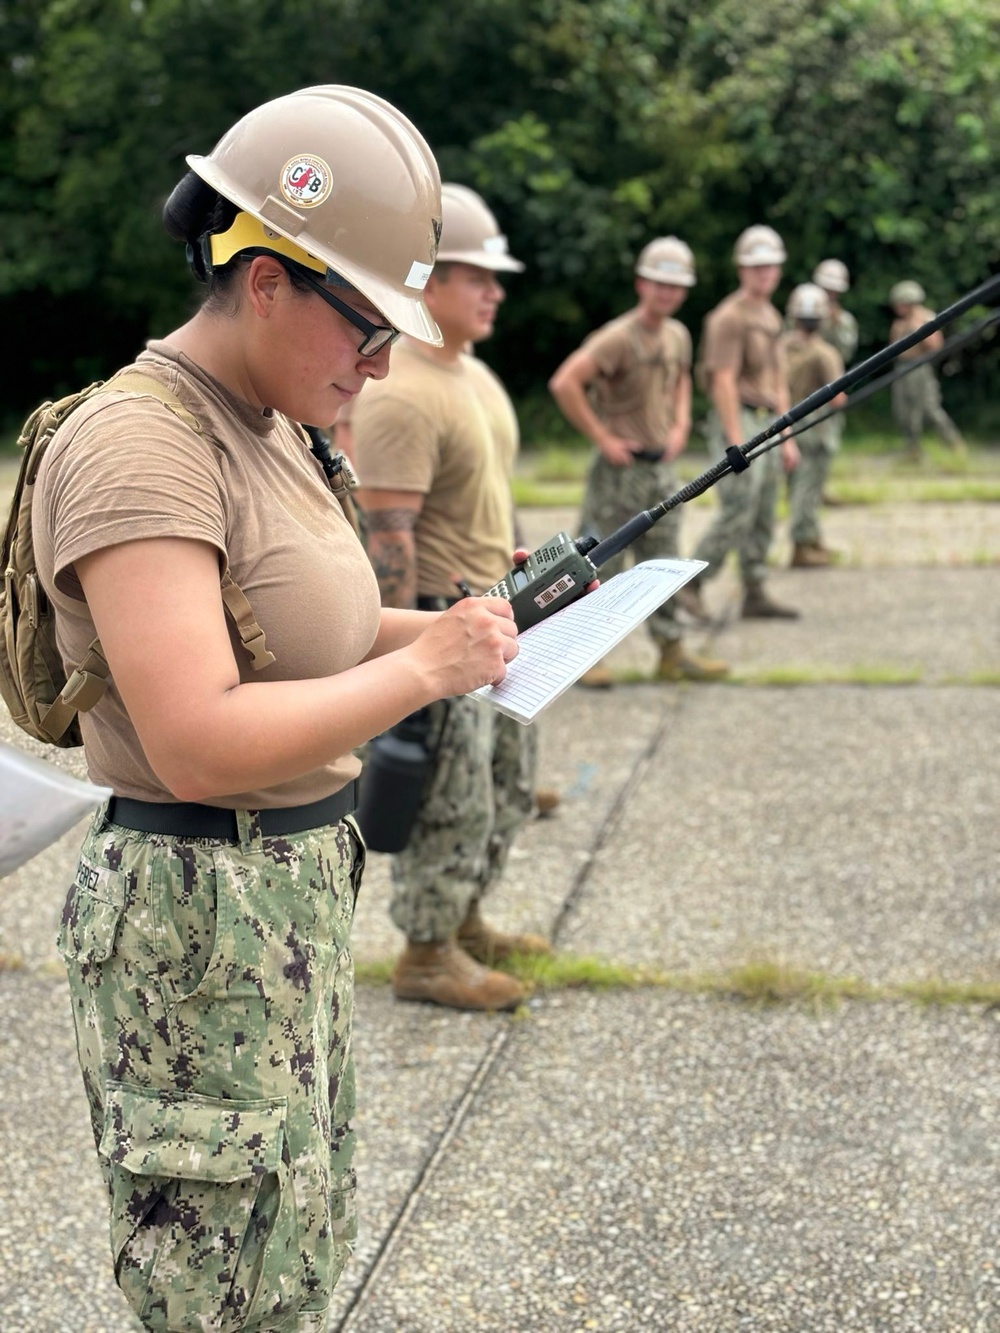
x=742 y=369
x=811 y=364
x=628 y=389
x=916 y=397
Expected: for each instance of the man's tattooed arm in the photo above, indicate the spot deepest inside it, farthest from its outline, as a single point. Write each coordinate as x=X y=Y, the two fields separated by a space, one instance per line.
x=392 y=551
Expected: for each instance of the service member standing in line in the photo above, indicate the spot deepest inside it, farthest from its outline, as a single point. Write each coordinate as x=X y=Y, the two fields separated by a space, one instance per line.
x=839 y=328
x=742 y=369
x=811 y=363
x=435 y=445
x=638 y=367
x=207 y=935
x=916 y=397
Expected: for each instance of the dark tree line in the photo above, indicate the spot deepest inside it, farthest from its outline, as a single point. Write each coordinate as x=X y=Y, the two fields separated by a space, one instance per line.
x=862 y=129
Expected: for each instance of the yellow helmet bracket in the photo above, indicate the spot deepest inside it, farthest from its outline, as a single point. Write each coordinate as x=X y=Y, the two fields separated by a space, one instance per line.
x=248 y=235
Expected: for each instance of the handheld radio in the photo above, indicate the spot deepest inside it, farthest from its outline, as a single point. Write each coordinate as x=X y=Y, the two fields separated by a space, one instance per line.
x=548 y=579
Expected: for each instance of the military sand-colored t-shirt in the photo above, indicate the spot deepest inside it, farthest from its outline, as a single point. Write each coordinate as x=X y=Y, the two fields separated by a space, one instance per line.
x=634 y=394
x=448 y=432
x=125 y=468
x=744 y=336
x=811 y=363
x=901 y=327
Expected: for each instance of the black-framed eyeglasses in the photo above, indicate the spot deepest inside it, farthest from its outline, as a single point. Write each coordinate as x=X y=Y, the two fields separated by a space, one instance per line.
x=376 y=336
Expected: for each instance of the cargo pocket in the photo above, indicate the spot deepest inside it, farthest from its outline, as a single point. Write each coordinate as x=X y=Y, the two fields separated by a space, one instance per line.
x=92 y=915
x=203 y=1222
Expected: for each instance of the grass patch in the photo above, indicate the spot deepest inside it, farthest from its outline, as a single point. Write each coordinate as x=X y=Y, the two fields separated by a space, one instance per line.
x=769 y=983
x=531 y=494
x=568 y=972
x=940 y=992
x=761 y=982
x=917 y=490
x=792 y=675
x=861 y=674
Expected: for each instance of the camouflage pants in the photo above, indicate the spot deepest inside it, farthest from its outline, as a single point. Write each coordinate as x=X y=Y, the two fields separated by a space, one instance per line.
x=212 y=990
x=480 y=793
x=916 y=398
x=615 y=494
x=747 y=501
x=805 y=484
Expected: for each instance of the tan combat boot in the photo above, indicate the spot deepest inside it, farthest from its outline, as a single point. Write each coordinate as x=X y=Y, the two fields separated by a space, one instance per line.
x=599 y=677
x=546 y=801
x=678 y=664
x=439 y=972
x=488 y=945
x=808 y=556
x=757 y=605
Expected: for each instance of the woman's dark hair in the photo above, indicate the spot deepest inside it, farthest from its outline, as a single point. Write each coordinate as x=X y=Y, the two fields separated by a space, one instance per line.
x=193 y=212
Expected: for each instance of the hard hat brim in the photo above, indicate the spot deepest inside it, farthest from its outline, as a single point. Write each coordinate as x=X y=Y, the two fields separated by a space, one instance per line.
x=763 y=260
x=673 y=279
x=496 y=263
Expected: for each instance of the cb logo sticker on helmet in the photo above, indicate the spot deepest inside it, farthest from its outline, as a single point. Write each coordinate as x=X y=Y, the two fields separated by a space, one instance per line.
x=306 y=181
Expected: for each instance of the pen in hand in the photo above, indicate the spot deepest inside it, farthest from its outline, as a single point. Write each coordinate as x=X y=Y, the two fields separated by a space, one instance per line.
x=463 y=587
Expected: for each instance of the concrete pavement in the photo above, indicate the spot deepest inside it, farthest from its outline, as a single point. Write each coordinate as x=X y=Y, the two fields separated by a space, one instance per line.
x=663 y=1156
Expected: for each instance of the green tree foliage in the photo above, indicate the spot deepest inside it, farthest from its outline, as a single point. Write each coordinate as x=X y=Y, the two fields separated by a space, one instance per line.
x=865 y=129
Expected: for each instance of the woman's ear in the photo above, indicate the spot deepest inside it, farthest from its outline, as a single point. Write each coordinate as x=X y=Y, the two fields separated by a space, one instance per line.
x=266 y=284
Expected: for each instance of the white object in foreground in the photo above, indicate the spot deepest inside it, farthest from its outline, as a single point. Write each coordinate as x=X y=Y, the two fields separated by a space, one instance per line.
x=38 y=804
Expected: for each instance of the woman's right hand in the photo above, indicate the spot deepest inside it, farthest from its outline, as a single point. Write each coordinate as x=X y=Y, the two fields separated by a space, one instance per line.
x=468 y=645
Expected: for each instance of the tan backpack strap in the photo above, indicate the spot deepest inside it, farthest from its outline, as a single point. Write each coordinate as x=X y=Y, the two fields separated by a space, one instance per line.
x=134 y=381
x=241 y=614
x=83 y=688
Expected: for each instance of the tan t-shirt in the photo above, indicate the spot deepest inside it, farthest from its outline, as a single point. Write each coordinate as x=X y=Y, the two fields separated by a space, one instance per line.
x=811 y=363
x=634 y=394
x=448 y=432
x=124 y=468
x=901 y=327
x=744 y=336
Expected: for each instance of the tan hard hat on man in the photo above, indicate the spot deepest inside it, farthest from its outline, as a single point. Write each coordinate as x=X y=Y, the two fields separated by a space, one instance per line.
x=306 y=170
x=758 y=246
x=832 y=275
x=667 y=259
x=470 y=234
x=808 y=302
x=907 y=292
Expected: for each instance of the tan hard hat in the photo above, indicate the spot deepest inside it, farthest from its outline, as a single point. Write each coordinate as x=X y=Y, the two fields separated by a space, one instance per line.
x=667 y=259
x=832 y=276
x=758 y=246
x=808 y=301
x=907 y=293
x=337 y=176
x=470 y=234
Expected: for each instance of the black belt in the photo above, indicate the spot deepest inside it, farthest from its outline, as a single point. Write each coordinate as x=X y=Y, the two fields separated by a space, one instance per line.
x=647 y=455
x=428 y=603
x=189 y=820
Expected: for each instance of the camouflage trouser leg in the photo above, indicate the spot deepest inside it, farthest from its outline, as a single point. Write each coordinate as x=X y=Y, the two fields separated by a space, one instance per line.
x=212 y=988
x=806 y=486
x=933 y=409
x=615 y=494
x=918 y=396
x=480 y=793
x=747 y=501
